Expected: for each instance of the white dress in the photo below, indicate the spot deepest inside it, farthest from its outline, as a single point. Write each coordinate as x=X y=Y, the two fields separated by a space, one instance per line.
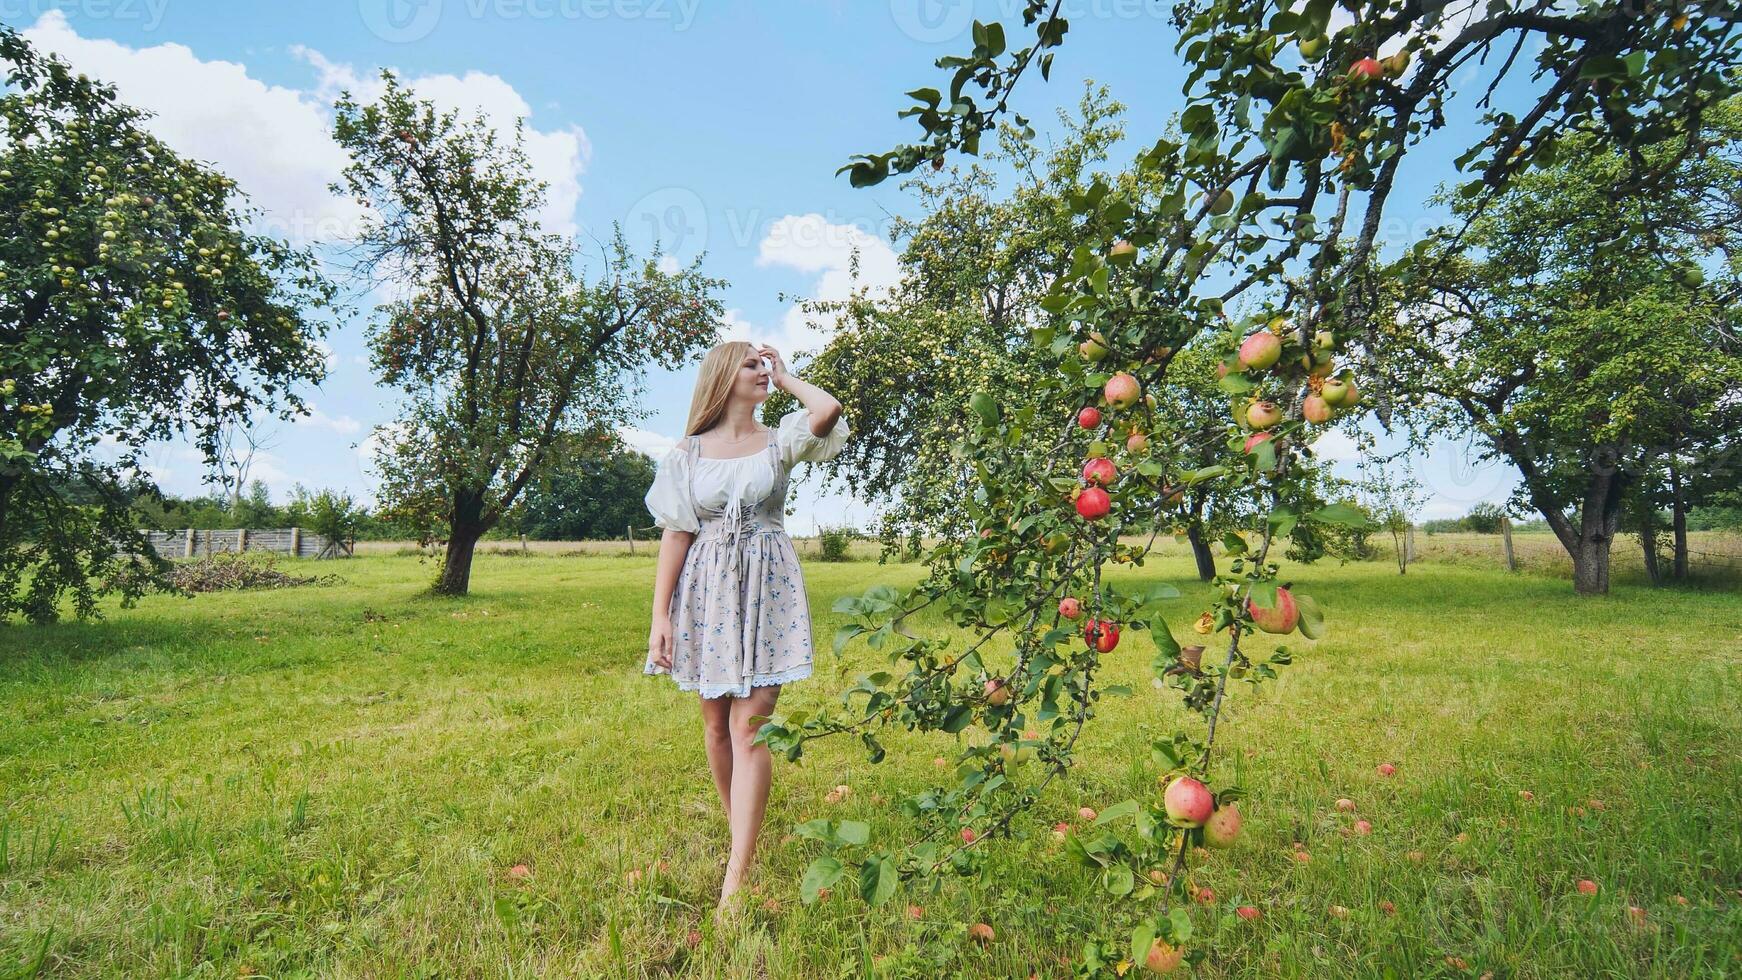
x=739 y=614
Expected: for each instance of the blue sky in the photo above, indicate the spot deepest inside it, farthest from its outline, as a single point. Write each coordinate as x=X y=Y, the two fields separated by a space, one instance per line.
x=703 y=124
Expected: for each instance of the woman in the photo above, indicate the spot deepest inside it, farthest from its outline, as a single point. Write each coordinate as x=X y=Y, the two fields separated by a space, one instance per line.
x=730 y=619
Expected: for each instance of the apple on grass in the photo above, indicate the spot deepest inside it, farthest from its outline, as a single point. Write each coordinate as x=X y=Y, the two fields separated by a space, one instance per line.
x=1188 y=801
x=1281 y=618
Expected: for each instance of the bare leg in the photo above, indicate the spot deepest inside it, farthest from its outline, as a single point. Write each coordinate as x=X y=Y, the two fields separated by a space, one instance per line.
x=751 y=772
x=717 y=734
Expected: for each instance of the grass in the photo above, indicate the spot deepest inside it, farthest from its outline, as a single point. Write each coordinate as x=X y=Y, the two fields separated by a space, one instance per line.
x=337 y=781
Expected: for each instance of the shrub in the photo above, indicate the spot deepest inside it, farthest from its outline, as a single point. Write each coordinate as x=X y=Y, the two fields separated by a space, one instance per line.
x=834 y=542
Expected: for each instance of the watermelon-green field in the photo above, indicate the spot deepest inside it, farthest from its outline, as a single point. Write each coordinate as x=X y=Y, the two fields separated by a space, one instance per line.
x=357 y=780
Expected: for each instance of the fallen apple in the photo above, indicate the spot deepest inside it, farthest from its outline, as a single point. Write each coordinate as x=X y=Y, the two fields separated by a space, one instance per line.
x=1163 y=958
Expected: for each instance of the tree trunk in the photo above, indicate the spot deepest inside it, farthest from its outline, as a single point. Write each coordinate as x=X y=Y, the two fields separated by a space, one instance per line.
x=465 y=527
x=1591 y=566
x=456 y=578
x=1678 y=505
x=1648 y=544
x=1201 y=550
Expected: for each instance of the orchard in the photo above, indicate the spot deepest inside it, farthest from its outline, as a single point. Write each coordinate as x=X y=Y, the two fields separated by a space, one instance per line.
x=1253 y=229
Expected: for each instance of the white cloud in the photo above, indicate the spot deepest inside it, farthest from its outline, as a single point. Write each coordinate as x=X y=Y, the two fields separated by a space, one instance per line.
x=275 y=141
x=653 y=444
x=809 y=243
x=1336 y=447
x=316 y=419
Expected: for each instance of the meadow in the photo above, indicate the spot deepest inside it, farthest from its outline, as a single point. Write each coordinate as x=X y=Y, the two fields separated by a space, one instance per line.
x=358 y=780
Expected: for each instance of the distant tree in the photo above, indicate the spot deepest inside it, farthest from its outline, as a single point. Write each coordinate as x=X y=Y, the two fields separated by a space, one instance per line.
x=1391 y=497
x=1579 y=338
x=499 y=346
x=133 y=308
x=333 y=515
x=589 y=494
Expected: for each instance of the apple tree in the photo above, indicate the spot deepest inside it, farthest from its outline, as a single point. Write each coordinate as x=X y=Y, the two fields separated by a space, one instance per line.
x=1576 y=333
x=1295 y=127
x=134 y=307
x=499 y=346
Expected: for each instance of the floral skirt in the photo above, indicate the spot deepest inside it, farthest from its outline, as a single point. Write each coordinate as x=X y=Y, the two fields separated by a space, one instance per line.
x=739 y=616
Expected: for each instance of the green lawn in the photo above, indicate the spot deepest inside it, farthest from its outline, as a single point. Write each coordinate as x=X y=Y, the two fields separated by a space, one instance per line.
x=337 y=781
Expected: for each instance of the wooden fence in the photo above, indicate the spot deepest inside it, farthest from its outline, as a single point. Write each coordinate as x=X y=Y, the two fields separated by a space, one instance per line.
x=292 y=541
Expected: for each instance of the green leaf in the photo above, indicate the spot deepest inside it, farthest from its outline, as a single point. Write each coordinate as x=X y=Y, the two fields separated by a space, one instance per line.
x=1142 y=938
x=1236 y=383
x=985 y=406
x=845 y=635
x=878 y=878
x=1118 y=811
x=1347 y=515
x=1181 y=921
x=855 y=832
x=1118 y=880
x=1312 y=618
x=1164 y=641
x=823 y=872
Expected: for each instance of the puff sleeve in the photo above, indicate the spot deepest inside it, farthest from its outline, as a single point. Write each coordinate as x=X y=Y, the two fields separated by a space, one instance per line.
x=670 y=500
x=798 y=444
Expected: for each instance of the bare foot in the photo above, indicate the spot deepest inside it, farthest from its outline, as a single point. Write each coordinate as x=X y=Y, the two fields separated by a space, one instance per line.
x=733 y=883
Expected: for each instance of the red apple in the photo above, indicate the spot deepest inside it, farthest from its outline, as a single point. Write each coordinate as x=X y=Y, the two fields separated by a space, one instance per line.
x=1222 y=827
x=1100 y=472
x=981 y=933
x=1070 y=608
x=1089 y=417
x=1346 y=805
x=1363 y=827
x=1246 y=912
x=1281 y=618
x=1587 y=887
x=1366 y=69
x=1188 y=801
x=1122 y=253
x=1387 y=769
x=1094 y=504
x=1263 y=414
x=1085 y=813
x=1163 y=958
x=1260 y=350
x=997 y=692
x=1122 y=391
x=1101 y=634
x=1136 y=442
x=968 y=835
x=1315 y=409
x=1253 y=440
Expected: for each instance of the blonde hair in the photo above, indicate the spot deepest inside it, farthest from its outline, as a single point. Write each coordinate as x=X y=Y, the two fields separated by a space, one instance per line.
x=714 y=385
